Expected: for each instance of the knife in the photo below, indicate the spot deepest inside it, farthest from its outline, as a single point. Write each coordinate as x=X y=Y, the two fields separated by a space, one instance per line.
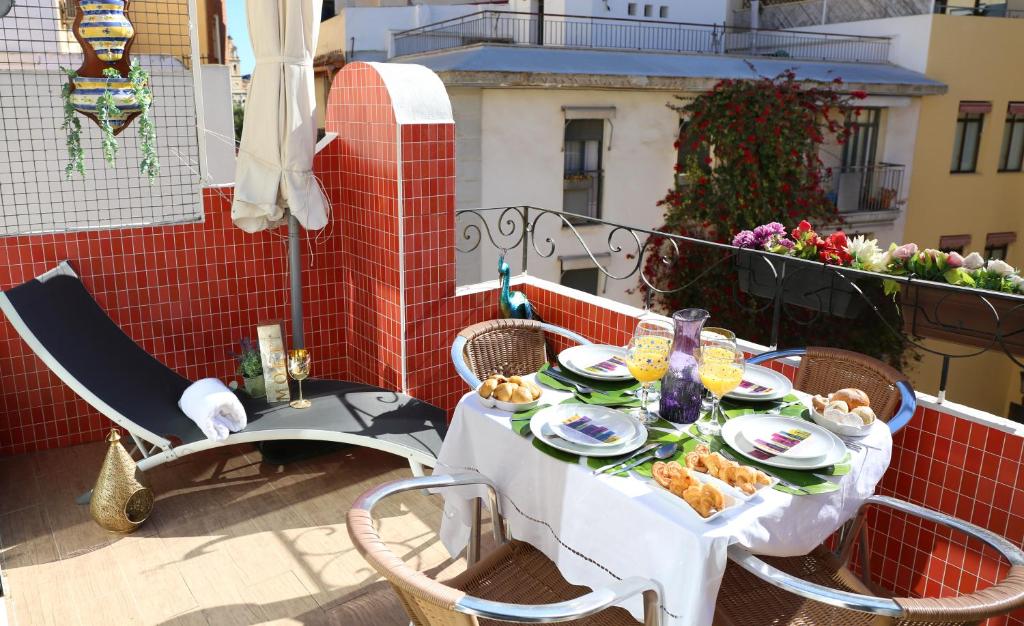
x=646 y=448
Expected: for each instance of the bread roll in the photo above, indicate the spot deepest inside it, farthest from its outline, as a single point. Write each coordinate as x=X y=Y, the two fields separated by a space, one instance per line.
x=838 y=405
x=852 y=397
x=864 y=413
x=516 y=380
x=504 y=391
x=521 y=394
x=487 y=388
x=819 y=403
x=535 y=391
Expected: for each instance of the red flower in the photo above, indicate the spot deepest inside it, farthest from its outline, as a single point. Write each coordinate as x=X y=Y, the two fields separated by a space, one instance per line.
x=859 y=94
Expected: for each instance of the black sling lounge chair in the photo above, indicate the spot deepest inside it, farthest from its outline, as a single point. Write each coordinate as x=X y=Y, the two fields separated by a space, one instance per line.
x=68 y=330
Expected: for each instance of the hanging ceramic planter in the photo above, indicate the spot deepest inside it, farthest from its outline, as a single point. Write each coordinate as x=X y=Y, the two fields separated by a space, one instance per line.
x=109 y=88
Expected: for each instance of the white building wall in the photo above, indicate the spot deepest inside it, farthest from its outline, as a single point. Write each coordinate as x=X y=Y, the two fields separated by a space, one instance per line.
x=521 y=136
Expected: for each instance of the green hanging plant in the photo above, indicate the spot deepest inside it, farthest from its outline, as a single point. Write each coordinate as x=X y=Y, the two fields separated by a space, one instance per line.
x=73 y=127
x=150 y=164
x=106 y=109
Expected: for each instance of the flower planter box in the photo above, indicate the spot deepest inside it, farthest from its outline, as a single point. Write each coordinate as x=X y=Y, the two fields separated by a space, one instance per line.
x=963 y=317
x=807 y=286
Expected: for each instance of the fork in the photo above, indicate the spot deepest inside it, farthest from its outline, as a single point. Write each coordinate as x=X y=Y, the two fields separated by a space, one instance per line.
x=562 y=378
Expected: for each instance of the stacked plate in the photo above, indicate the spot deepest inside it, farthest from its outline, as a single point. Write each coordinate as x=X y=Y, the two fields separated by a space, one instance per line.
x=588 y=430
x=761 y=384
x=596 y=361
x=783 y=442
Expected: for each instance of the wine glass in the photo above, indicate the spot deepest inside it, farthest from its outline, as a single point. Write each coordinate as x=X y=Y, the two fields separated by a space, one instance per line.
x=720 y=365
x=647 y=360
x=710 y=335
x=298 y=368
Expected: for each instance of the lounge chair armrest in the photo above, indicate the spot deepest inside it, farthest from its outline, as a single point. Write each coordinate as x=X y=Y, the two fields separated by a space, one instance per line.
x=812 y=591
x=580 y=607
x=1010 y=552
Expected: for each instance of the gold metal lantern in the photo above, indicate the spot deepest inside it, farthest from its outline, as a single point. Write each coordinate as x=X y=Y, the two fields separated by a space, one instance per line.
x=120 y=500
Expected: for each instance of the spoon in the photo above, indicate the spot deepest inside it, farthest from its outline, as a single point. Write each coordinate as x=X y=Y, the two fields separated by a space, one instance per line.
x=662 y=452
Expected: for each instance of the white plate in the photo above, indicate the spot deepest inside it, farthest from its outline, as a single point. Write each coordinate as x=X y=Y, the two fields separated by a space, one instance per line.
x=779 y=386
x=622 y=425
x=731 y=435
x=578 y=358
x=760 y=434
x=542 y=430
x=730 y=496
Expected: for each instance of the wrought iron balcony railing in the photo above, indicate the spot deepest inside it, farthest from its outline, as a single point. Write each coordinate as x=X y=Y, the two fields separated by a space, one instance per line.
x=797 y=290
x=577 y=31
x=867 y=187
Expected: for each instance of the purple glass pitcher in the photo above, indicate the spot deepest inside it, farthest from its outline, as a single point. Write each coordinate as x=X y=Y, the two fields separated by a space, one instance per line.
x=681 y=389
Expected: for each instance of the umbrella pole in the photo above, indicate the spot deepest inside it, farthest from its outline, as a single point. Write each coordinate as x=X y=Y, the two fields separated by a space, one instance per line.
x=295 y=274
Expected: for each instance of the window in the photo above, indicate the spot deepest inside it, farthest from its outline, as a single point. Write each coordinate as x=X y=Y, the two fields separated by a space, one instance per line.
x=631 y=8
x=1011 y=155
x=997 y=244
x=663 y=12
x=860 y=148
x=954 y=243
x=967 y=138
x=685 y=157
x=582 y=174
x=648 y=10
x=585 y=279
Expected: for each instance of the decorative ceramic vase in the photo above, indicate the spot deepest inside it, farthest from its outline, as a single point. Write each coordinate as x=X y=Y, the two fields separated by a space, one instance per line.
x=681 y=389
x=255 y=387
x=120 y=501
x=105 y=28
x=88 y=90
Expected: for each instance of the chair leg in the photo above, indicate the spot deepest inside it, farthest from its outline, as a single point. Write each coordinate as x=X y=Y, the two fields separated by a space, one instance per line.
x=473 y=554
x=416 y=467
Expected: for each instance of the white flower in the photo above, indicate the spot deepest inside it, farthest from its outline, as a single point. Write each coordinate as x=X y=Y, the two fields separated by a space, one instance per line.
x=866 y=253
x=1002 y=268
x=973 y=261
x=1017 y=281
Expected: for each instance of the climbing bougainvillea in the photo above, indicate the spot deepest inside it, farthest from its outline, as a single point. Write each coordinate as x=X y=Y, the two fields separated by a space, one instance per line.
x=752 y=151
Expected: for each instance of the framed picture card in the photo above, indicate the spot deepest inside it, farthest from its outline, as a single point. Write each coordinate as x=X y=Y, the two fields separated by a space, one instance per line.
x=275 y=362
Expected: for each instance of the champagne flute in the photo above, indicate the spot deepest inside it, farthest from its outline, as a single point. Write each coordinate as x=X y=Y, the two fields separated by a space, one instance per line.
x=647 y=360
x=720 y=366
x=298 y=368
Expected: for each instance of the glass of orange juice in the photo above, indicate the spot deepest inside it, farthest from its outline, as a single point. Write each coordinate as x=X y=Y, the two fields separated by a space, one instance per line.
x=647 y=360
x=720 y=366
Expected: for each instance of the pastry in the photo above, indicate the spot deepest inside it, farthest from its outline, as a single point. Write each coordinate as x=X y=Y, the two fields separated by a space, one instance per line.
x=503 y=392
x=704 y=498
x=534 y=390
x=694 y=459
x=852 y=397
x=487 y=388
x=819 y=403
x=838 y=405
x=521 y=394
x=745 y=478
x=515 y=380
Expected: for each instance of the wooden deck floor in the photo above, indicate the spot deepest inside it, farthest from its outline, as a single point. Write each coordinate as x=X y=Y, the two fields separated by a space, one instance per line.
x=230 y=541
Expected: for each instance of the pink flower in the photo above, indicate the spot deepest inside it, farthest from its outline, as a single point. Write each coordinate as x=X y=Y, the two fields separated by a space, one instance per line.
x=905 y=251
x=954 y=259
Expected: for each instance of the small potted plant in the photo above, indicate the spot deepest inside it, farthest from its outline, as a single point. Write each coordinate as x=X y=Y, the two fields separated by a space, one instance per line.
x=250 y=368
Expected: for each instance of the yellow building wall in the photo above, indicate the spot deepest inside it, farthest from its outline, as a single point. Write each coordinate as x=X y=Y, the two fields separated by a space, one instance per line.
x=979 y=58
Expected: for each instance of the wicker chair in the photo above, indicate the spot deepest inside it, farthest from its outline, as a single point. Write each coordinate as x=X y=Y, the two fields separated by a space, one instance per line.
x=506 y=346
x=515 y=583
x=824 y=370
x=819 y=589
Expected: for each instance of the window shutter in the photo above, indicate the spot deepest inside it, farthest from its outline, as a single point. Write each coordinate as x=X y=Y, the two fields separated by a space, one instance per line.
x=1016 y=108
x=995 y=240
x=975 y=107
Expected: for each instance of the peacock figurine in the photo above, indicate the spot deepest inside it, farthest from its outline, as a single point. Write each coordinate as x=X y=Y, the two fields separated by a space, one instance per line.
x=513 y=304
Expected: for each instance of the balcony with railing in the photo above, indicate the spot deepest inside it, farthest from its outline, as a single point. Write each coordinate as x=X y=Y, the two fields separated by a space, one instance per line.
x=867 y=188
x=806 y=13
x=602 y=33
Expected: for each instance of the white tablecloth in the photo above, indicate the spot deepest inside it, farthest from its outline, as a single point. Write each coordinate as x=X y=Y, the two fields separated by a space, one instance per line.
x=598 y=528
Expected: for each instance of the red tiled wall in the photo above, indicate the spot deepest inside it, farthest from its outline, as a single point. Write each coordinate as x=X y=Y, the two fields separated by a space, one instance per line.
x=185 y=293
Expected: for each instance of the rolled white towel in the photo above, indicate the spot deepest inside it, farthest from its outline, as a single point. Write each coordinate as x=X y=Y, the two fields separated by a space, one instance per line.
x=214 y=408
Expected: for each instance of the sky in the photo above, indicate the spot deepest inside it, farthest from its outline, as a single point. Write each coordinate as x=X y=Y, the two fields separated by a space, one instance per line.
x=238 y=28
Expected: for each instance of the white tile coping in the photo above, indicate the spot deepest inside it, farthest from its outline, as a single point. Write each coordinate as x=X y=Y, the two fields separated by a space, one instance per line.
x=952 y=408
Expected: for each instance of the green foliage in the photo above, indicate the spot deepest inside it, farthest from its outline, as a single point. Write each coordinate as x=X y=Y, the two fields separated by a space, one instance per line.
x=250 y=364
x=239 y=112
x=106 y=110
x=150 y=163
x=73 y=127
x=764 y=136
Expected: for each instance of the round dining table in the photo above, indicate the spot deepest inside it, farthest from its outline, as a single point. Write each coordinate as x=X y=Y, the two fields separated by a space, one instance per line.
x=601 y=528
